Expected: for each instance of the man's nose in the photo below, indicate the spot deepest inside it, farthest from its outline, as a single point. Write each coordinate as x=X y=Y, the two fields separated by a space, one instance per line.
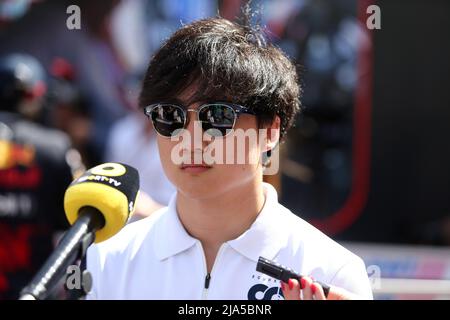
x=195 y=130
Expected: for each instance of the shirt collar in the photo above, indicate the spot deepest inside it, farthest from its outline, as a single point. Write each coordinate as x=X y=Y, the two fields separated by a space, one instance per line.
x=263 y=238
x=172 y=237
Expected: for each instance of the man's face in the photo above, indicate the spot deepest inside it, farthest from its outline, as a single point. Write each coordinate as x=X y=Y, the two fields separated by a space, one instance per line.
x=201 y=166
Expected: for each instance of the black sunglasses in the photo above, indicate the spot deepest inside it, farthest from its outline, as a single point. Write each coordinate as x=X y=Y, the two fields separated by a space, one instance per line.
x=217 y=118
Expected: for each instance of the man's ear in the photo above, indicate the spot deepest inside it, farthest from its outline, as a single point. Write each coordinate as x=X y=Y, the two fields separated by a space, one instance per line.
x=273 y=134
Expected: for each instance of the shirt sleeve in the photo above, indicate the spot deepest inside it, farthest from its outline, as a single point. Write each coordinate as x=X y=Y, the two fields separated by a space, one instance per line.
x=353 y=277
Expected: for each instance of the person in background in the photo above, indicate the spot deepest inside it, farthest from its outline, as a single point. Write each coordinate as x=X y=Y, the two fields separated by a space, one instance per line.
x=99 y=70
x=37 y=164
x=69 y=110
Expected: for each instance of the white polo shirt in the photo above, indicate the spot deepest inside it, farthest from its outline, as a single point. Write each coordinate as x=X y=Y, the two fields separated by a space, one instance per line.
x=155 y=258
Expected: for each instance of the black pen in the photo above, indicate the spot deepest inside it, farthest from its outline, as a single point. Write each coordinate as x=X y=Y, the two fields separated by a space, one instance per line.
x=282 y=273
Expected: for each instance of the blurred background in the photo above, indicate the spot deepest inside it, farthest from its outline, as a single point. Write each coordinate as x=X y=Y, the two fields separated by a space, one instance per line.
x=367 y=161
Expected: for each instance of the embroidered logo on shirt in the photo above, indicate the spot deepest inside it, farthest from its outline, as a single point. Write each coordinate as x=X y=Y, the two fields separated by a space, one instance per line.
x=269 y=290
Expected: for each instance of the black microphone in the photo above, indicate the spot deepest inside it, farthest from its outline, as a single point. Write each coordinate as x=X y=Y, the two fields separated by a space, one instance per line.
x=279 y=272
x=98 y=204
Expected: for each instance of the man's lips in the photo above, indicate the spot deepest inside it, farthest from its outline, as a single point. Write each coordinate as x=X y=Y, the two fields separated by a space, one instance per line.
x=195 y=168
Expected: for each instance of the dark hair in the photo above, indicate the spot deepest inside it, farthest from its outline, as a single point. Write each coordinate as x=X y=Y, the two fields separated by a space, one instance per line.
x=228 y=62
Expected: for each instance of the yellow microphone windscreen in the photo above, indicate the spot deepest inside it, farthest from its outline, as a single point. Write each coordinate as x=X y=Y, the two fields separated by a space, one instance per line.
x=112 y=189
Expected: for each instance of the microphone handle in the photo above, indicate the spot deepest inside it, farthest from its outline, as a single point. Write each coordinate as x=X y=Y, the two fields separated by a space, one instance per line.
x=282 y=273
x=291 y=274
x=72 y=246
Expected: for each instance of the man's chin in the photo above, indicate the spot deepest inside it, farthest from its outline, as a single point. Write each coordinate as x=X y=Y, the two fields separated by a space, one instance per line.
x=199 y=190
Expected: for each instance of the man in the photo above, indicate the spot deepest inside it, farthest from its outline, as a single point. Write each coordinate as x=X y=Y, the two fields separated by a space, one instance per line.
x=36 y=166
x=220 y=78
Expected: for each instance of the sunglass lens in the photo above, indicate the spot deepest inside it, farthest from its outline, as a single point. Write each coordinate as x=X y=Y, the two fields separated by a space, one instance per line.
x=167 y=118
x=217 y=119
